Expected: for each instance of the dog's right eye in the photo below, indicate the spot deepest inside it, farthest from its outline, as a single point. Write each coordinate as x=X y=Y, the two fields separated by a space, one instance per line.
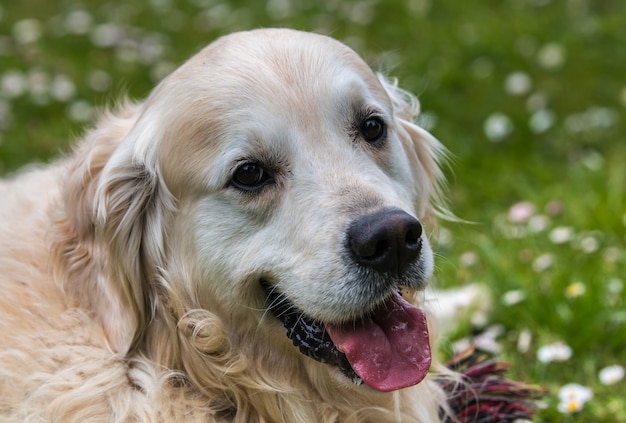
x=250 y=176
x=373 y=129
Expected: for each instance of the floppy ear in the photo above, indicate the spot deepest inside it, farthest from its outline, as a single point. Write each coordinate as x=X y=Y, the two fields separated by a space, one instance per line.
x=423 y=150
x=108 y=241
x=131 y=207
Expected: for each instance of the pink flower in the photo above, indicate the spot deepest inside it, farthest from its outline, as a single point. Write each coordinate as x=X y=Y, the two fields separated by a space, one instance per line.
x=521 y=212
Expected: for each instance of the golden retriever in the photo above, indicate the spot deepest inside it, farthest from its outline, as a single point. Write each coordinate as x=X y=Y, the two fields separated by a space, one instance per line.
x=247 y=245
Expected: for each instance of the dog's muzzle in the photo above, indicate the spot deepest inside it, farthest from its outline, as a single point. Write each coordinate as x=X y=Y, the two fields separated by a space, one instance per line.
x=388 y=346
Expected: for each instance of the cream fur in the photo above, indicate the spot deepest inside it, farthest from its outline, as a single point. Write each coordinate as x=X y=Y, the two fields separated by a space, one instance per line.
x=129 y=269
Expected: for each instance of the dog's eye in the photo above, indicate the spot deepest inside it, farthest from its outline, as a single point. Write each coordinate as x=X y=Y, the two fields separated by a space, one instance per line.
x=250 y=176
x=373 y=130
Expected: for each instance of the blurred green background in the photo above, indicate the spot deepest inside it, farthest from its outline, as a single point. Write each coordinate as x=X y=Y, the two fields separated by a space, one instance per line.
x=528 y=95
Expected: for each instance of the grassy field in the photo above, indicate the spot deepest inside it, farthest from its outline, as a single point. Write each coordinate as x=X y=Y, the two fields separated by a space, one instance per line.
x=528 y=95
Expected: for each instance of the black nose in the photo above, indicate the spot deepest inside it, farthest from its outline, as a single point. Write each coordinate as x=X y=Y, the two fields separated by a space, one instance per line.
x=387 y=241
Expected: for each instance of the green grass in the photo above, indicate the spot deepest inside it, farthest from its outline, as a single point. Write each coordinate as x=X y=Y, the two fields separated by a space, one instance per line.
x=457 y=56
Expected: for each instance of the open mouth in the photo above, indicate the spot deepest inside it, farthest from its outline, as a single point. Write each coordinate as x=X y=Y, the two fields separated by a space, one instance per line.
x=387 y=349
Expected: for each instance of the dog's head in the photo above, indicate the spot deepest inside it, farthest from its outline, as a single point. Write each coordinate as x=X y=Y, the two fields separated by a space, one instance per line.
x=275 y=180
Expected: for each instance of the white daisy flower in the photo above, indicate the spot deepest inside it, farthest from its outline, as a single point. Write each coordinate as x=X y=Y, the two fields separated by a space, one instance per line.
x=557 y=351
x=611 y=375
x=572 y=397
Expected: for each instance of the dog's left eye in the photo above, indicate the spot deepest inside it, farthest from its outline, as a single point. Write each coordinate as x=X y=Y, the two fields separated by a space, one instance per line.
x=373 y=130
x=250 y=176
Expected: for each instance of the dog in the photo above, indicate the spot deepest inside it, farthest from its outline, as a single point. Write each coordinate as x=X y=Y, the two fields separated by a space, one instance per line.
x=249 y=244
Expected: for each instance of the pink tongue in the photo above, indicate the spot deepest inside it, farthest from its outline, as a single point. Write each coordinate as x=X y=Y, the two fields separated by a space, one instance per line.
x=390 y=350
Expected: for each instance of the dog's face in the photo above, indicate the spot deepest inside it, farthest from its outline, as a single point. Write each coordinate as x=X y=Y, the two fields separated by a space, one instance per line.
x=297 y=191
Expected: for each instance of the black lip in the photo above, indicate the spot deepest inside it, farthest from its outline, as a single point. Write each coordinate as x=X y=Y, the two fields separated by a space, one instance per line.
x=308 y=334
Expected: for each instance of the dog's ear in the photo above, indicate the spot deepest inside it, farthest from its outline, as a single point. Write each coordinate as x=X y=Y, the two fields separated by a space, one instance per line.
x=423 y=150
x=131 y=210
